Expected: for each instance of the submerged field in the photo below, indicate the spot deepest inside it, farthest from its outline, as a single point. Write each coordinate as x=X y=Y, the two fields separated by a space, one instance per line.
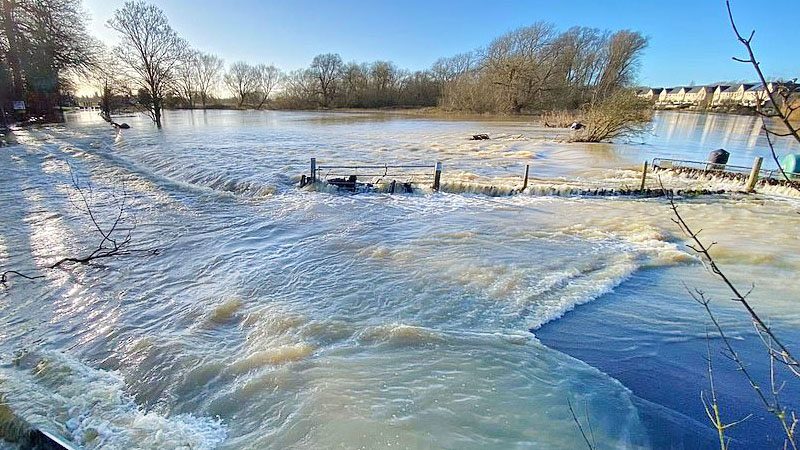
x=278 y=317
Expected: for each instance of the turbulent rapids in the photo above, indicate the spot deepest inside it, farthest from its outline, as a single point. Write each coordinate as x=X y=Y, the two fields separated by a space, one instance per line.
x=278 y=317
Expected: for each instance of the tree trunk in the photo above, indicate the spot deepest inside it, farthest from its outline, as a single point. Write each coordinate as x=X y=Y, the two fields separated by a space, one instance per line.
x=12 y=54
x=157 y=112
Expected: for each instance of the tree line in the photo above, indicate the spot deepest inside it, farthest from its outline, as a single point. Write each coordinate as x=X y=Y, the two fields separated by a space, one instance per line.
x=45 y=47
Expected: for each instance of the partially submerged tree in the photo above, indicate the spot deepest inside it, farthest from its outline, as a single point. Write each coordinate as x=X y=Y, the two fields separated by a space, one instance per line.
x=150 y=49
x=106 y=78
x=620 y=114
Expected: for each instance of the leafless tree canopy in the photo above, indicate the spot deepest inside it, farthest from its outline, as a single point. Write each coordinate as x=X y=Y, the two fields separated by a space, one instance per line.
x=150 y=50
x=326 y=69
x=536 y=68
x=267 y=78
x=241 y=80
x=208 y=69
x=186 y=77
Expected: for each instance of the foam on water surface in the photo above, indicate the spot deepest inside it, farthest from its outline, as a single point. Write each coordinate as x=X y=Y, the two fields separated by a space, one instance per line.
x=278 y=317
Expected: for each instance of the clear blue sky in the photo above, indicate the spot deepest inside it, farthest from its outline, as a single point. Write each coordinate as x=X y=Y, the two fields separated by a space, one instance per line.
x=690 y=41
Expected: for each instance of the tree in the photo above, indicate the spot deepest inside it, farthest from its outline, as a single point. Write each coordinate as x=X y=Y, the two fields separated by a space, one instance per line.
x=624 y=49
x=521 y=63
x=106 y=78
x=446 y=70
x=621 y=113
x=150 y=49
x=208 y=68
x=186 y=77
x=327 y=70
x=46 y=43
x=266 y=78
x=241 y=80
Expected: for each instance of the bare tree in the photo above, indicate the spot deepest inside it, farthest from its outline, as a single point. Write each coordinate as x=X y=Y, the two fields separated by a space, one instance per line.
x=622 y=60
x=266 y=78
x=446 y=70
x=621 y=113
x=208 y=68
x=241 y=80
x=186 y=77
x=105 y=76
x=327 y=70
x=521 y=63
x=150 y=49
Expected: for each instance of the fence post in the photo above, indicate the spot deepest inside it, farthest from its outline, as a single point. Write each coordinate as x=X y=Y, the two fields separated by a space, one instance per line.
x=751 y=181
x=313 y=170
x=644 y=176
x=525 y=180
x=437 y=175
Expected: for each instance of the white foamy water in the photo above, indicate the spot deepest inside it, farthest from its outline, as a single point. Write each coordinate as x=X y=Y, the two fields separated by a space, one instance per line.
x=278 y=317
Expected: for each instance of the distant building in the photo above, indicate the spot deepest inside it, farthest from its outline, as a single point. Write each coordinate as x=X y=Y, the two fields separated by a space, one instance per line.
x=723 y=95
x=651 y=94
x=675 y=96
x=698 y=96
x=746 y=94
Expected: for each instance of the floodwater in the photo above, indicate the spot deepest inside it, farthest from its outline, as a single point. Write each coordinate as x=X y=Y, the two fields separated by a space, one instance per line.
x=279 y=317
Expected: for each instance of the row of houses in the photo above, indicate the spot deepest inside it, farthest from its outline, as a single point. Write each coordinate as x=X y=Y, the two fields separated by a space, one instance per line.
x=749 y=95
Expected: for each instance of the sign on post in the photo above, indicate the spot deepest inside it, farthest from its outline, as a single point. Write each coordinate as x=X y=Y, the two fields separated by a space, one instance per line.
x=19 y=105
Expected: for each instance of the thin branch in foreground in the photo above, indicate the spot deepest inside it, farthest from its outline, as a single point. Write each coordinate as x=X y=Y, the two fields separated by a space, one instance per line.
x=703 y=251
x=785 y=92
x=712 y=407
x=115 y=238
x=780 y=354
x=591 y=444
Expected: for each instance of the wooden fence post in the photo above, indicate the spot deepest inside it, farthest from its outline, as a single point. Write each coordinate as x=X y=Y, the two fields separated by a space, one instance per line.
x=313 y=170
x=751 y=181
x=437 y=175
x=525 y=180
x=644 y=176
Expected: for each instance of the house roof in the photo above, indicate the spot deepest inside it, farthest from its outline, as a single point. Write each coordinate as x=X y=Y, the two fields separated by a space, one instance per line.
x=697 y=89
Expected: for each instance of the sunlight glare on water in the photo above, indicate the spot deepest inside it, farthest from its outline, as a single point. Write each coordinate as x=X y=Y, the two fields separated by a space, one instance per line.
x=278 y=317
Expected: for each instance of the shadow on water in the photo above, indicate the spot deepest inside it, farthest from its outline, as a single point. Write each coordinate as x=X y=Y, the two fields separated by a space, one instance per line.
x=656 y=346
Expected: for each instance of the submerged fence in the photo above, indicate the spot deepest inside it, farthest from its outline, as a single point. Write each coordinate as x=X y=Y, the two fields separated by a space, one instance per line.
x=401 y=178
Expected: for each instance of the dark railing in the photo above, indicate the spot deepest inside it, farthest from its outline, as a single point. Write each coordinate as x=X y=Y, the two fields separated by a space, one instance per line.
x=706 y=166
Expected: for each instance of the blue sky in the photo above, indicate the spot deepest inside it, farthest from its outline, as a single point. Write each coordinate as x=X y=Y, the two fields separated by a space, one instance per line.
x=690 y=41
